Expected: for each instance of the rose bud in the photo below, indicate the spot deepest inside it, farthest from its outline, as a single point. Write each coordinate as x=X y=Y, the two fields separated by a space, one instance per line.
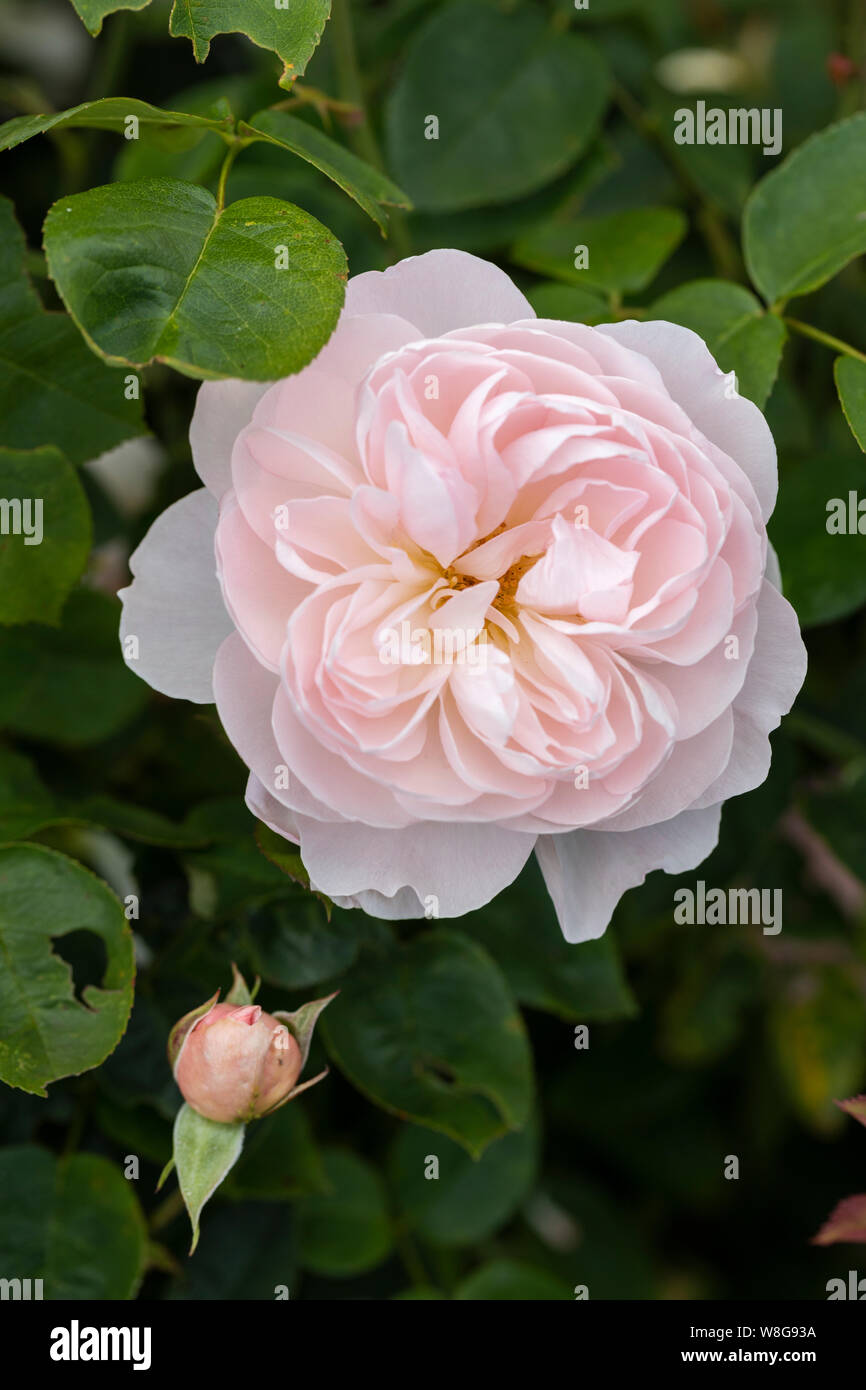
x=235 y=1062
x=840 y=69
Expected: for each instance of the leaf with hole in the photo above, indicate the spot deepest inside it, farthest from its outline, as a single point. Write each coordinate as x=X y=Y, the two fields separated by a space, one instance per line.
x=46 y=1032
x=430 y=1032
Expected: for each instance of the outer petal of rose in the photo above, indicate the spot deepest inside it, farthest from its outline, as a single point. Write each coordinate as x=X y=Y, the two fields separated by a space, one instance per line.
x=776 y=672
x=587 y=871
x=174 y=605
x=269 y=810
x=222 y=409
x=696 y=383
x=245 y=692
x=438 y=292
x=462 y=866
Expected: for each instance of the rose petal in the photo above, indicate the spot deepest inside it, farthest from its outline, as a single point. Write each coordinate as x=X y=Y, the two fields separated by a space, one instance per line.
x=174 y=606
x=587 y=871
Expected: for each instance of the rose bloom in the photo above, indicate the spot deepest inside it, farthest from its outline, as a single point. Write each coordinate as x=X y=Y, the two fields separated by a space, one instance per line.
x=474 y=584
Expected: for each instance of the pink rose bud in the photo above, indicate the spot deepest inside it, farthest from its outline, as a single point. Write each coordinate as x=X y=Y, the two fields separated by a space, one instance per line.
x=235 y=1062
x=841 y=69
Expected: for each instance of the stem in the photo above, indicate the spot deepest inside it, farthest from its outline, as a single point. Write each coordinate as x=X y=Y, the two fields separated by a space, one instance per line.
x=412 y=1261
x=827 y=339
x=721 y=245
x=825 y=738
x=167 y=1210
x=361 y=136
x=232 y=154
x=349 y=84
x=112 y=58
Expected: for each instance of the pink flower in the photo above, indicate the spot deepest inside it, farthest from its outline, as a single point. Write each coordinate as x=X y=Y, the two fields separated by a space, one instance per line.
x=236 y=1062
x=490 y=584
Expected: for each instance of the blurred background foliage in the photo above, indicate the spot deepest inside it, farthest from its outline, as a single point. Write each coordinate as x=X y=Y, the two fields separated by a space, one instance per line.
x=600 y=1166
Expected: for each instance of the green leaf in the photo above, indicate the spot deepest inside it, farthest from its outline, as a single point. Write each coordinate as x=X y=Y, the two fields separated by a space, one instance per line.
x=568 y=302
x=740 y=334
x=516 y=104
x=46 y=1032
x=626 y=250
x=52 y=391
x=724 y=174
x=73 y=1222
x=93 y=12
x=153 y=270
x=287 y=857
x=192 y=153
x=292 y=32
x=513 y=1281
x=301 y=1024
x=703 y=1014
x=371 y=190
x=110 y=113
x=430 y=1032
x=818 y=1029
x=347 y=1230
x=280 y=1159
x=807 y=219
x=68 y=685
x=247 y=1251
x=824 y=575
x=204 y=1151
x=46 y=534
x=465 y=1199
x=850 y=374
x=582 y=983
x=295 y=945
x=230 y=876
x=26 y=805
x=608 y=1253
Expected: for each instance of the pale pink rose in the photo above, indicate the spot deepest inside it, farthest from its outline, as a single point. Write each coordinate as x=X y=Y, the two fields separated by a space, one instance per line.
x=490 y=584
